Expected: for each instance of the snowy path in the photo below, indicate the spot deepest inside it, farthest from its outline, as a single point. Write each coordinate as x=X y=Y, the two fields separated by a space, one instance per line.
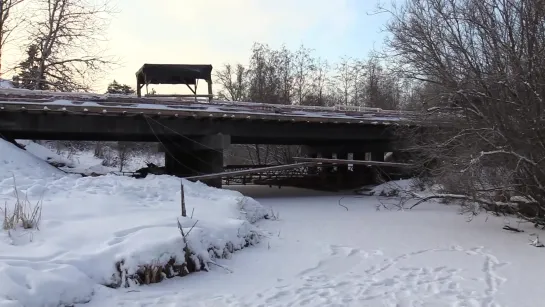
x=319 y=254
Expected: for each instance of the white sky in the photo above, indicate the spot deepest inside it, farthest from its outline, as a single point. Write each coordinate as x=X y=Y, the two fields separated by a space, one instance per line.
x=223 y=31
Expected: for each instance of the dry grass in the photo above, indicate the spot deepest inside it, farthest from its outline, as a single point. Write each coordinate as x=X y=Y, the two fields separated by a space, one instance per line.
x=156 y=271
x=23 y=214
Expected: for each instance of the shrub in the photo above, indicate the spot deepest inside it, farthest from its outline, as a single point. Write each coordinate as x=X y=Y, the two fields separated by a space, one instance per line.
x=24 y=213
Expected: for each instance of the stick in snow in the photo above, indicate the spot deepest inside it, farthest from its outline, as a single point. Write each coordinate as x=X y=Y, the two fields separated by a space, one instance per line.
x=221 y=266
x=184 y=213
x=342 y=204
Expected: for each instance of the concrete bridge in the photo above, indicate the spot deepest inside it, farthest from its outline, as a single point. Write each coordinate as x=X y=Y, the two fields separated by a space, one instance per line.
x=195 y=133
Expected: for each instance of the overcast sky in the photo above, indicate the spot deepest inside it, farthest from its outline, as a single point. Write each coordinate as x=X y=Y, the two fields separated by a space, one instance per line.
x=223 y=31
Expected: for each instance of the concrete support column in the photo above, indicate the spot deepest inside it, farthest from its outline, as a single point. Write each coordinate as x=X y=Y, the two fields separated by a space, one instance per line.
x=342 y=168
x=313 y=169
x=203 y=155
x=359 y=168
x=327 y=155
x=377 y=156
x=310 y=152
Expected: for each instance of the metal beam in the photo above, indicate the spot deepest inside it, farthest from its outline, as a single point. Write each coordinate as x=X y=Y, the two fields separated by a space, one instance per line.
x=60 y=126
x=360 y=162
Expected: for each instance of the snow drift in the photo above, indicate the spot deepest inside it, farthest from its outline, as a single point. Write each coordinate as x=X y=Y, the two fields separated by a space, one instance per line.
x=98 y=231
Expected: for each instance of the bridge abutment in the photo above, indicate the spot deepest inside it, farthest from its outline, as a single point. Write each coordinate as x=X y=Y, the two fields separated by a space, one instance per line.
x=197 y=156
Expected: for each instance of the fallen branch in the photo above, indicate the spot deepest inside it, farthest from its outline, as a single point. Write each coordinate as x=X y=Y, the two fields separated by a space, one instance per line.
x=342 y=204
x=220 y=266
x=507 y=227
x=449 y=196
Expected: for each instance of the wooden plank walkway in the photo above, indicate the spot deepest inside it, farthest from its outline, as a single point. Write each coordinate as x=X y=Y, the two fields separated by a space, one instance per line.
x=249 y=171
x=302 y=162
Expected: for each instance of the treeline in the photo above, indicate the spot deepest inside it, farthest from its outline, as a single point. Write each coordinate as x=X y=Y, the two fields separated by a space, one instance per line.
x=482 y=62
x=298 y=77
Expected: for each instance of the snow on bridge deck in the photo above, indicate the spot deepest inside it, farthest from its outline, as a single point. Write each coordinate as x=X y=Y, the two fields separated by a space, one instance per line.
x=15 y=100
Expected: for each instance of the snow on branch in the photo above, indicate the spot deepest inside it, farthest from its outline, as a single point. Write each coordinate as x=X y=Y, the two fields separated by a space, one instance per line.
x=511 y=153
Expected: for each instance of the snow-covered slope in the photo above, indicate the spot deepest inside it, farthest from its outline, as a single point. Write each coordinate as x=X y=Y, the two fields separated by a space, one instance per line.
x=15 y=162
x=45 y=154
x=85 y=162
x=90 y=224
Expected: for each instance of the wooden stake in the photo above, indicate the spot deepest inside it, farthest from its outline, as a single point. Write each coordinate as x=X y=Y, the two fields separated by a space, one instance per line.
x=184 y=213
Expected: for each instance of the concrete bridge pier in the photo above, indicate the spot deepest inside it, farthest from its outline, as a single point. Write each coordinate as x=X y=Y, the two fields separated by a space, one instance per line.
x=342 y=168
x=377 y=156
x=359 y=168
x=197 y=156
x=364 y=173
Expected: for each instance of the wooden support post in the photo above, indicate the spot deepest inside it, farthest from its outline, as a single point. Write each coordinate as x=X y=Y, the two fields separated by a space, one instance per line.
x=210 y=89
x=184 y=212
x=377 y=156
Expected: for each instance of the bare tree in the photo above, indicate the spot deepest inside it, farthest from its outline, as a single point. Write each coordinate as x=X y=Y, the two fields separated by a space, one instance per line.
x=65 y=35
x=304 y=67
x=318 y=93
x=282 y=71
x=7 y=23
x=344 y=81
x=124 y=150
x=381 y=87
x=486 y=62
x=233 y=82
x=264 y=77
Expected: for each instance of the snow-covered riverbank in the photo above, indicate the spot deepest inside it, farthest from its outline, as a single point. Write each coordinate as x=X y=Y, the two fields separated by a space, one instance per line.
x=320 y=254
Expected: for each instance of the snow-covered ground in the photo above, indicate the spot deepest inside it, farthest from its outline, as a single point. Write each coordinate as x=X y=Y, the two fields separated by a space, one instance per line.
x=320 y=254
x=85 y=162
x=90 y=225
x=325 y=249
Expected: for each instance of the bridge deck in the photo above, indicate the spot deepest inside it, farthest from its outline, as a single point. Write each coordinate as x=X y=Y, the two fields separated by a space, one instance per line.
x=17 y=100
x=47 y=115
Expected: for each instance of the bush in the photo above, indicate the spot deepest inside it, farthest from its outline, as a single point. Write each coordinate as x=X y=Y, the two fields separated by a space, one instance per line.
x=24 y=214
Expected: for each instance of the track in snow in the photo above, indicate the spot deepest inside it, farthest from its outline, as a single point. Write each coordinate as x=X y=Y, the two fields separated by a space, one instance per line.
x=344 y=279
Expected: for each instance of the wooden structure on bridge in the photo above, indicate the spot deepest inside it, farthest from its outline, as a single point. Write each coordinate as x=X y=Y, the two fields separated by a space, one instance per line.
x=187 y=74
x=276 y=174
